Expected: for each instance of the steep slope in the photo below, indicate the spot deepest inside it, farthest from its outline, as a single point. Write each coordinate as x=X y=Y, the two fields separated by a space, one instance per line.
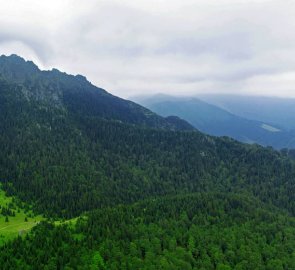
x=219 y=122
x=65 y=157
x=57 y=90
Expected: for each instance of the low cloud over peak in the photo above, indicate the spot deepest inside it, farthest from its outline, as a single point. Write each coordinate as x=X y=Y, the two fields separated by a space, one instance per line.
x=176 y=47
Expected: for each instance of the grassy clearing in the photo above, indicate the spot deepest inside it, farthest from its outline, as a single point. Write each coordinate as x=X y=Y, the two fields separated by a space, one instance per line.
x=70 y=222
x=18 y=224
x=22 y=220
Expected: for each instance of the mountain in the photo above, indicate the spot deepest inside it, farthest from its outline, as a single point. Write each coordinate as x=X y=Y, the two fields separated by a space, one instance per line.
x=274 y=110
x=74 y=93
x=123 y=188
x=216 y=121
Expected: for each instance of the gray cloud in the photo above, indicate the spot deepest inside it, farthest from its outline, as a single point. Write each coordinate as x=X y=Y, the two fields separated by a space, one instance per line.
x=177 y=47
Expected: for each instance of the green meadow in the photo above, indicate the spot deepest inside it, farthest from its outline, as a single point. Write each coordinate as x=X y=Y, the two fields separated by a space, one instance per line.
x=18 y=222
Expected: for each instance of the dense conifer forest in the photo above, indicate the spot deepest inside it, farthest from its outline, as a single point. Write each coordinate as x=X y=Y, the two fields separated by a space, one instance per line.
x=151 y=192
x=196 y=231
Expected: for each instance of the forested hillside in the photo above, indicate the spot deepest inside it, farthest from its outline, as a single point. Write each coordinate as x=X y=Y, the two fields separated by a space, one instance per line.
x=156 y=193
x=197 y=231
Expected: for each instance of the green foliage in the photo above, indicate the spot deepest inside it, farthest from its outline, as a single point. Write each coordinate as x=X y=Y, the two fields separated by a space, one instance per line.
x=97 y=262
x=14 y=218
x=197 y=231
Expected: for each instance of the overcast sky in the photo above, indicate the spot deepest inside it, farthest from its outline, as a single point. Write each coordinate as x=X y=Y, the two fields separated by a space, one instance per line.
x=133 y=47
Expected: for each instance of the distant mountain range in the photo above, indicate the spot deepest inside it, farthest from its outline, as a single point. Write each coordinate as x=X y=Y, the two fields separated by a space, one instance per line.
x=234 y=116
x=277 y=111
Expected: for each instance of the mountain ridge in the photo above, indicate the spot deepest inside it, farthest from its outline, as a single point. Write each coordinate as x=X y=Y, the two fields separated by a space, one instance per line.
x=62 y=89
